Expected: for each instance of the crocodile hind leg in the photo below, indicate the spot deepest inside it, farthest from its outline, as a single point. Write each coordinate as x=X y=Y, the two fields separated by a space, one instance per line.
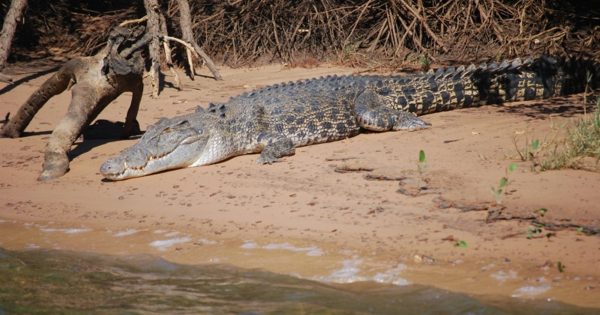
x=374 y=116
x=276 y=149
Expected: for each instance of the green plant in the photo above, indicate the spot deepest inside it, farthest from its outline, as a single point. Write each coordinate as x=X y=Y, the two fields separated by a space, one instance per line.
x=424 y=62
x=422 y=164
x=499 y=191
x=582 y=140
x=530 y=151
x=349 y=52
x=534 y=230
x=461 y=244
x=542 y=212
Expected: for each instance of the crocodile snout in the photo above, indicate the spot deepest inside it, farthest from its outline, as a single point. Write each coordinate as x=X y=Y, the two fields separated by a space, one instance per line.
x=112 y=168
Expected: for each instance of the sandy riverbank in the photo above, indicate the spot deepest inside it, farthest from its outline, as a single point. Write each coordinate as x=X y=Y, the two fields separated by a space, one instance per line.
x=304 y=216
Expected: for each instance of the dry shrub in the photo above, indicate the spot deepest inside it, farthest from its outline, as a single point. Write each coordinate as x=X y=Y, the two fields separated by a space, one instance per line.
x=245 y=31
x=242 y=32
x=68 y=28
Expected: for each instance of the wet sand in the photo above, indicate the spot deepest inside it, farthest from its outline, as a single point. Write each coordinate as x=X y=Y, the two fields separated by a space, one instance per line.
x=344 y=211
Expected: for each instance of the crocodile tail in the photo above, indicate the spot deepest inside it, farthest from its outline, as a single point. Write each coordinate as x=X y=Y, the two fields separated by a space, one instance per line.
x=578 y=74
x=538 y=78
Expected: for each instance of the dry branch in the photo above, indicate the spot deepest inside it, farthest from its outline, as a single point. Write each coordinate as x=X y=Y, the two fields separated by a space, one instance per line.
x=167 y=48
x=153 y=27
x=8 y=29
x=185 y=22
x=134 y=21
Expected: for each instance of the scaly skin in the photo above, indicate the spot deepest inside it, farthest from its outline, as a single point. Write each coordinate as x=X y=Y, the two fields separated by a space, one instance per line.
x=274 y=120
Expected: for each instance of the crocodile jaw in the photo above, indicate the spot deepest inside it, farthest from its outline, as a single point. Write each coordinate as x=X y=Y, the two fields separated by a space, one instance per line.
x=137 y=162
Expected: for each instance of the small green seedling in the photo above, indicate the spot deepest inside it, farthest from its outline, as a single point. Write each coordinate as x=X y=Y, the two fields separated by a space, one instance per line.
x=533 y=231
x=585 y=231
x=422 y=165
x=542 y=212
x=534 y=147
x=530 y=151
x=424 y=62
x=461 y=244
x=499 y=191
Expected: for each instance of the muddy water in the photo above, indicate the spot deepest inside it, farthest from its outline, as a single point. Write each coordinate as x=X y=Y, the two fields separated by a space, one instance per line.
x=50 y=281
x=49 y=268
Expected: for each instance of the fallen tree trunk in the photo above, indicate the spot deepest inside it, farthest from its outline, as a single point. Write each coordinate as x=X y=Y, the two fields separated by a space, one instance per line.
x=95 y=82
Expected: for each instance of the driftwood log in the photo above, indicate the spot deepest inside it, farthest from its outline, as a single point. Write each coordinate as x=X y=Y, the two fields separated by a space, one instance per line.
x=94 y=82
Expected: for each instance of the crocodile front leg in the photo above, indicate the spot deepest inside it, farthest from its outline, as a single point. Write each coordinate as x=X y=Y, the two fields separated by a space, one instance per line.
x=275 y=150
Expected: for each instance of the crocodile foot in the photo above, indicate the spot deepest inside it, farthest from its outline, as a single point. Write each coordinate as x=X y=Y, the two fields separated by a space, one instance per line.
x=410 y=122
x=275 y=150
x=55 y=165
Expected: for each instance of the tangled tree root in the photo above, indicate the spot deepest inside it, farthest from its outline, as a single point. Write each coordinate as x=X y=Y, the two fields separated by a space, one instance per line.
x=94 y=82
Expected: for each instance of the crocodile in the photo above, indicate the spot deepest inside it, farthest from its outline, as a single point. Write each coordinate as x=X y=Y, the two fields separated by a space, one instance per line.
x=274 y=120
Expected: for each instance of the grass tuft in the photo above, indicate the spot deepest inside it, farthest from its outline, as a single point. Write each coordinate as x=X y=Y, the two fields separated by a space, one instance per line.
x=583 y=140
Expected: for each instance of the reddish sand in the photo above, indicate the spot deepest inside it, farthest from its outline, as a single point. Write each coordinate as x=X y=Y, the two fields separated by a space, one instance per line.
x=315 y=215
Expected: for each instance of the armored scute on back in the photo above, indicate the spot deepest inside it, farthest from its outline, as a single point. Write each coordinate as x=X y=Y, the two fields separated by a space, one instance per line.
x=274 y=120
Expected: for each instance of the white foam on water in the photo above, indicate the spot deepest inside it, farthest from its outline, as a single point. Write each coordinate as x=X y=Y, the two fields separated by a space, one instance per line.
x=310 y=251
x=392 y=276
x=173 y=233
x=160 y=232
x=531 y=290
x=249 y=245
x=33 y=246
x=162 y=245
x=125 y=233
x=348 y=273
x=205 y=241
x=66 y=231
x=502 y=275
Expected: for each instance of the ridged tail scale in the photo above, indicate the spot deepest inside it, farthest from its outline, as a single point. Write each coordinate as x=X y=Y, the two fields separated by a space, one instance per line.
x=531 y=79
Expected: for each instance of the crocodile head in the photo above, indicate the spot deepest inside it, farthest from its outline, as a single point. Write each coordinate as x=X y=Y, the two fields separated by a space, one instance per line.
x=169 y=144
